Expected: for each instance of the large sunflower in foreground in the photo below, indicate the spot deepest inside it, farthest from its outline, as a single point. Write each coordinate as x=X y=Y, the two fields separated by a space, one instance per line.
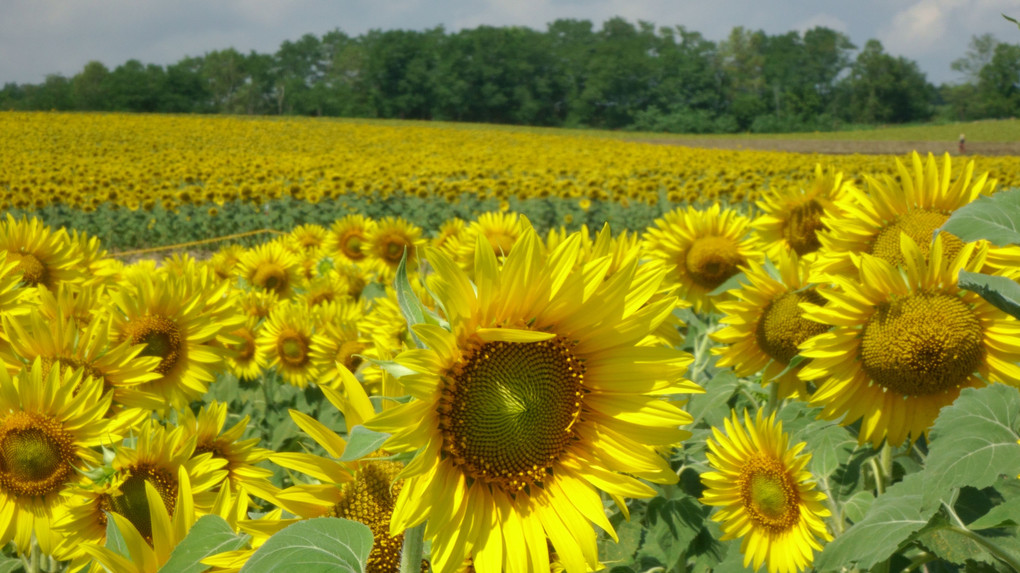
x=765 y=494
x=540 y=394
x=793 y=216
x=705 y=248
x=917 y=203
x=905 y=342
x=47 y=434
x=765 y=325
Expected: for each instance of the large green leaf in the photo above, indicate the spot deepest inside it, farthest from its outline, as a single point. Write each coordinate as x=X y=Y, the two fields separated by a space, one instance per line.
x=361 y=442
x=672 y=526
x=973 y=442
x=891 y=520
x=10 y=565
x=321 y=545
x=1001 y=292
x=830 y=445
x=711 y=407
x=209 y=536
x=995 y=218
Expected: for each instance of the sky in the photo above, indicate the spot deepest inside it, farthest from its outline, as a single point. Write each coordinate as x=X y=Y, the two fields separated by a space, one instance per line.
x=41 y=37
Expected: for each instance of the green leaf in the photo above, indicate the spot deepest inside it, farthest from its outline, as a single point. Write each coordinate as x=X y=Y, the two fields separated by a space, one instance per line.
x=995 y=218
x=891 y=520
x=711 y=406
x=114 y=539
x=830 y=445
x=731 y=283
x=973 y=442
x=1006 y=514
x=209 y=536
x=1001 y=292
x=956 y=545
x=320 y=545
x=857 y=505
x=673 y=525
x=10 y=564
x=622 y=553
x=360 y=442
x=1013 y=20
x=413 y=310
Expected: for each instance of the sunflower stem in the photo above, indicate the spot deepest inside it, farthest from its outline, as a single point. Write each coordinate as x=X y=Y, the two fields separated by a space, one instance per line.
x=773 y=403
x=887 y=464
x=414 y=547
x=877 y=471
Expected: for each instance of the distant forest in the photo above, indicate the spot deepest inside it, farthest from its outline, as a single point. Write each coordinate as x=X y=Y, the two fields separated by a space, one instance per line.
x=622 y=76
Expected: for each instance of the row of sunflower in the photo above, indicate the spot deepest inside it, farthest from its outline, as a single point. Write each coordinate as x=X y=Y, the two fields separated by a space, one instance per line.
x=516 y=390
x=144 y=161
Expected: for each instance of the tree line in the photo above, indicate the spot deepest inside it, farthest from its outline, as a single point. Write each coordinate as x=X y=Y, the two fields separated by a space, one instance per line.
x=622 y=76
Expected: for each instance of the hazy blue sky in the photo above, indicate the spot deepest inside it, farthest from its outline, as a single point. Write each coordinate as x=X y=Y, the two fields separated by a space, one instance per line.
x=38 y=37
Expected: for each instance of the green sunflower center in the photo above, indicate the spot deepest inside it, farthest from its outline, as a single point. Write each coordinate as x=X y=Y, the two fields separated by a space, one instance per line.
x=919 y=225
x=769 y=494
x=292 y=347
x=923 y=343
x=508 y=410
x=36 y=455
x=134 y=505
x=781 y=327
x=802 y=227
x=712 y=260
x=161 y=338
x=34 y=272
x=271 y=277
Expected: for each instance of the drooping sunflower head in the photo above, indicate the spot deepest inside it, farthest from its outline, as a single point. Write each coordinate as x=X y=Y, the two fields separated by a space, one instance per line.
x=765 y=325
x=270 y=267
x=45 y=258
x=764 y=494
x=793 y=216
x=905 y=341
x=915 y=203
x=534 y=390
x=705 y=249
x=348 y=237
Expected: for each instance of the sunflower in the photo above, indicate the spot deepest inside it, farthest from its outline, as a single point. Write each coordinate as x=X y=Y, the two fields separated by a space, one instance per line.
x=537 y=397
x=240 y=455
x=156 y=460
x=348 y=237
x=765 y=325
x=47 y=434
x=705 y=248
x=224 y=261
x=765 y=494
x=247 y=358
x=44 y=257
x=449 y=236
x=324 y=289
x=500 y=230
x=286 y=340
x=180 y=323
x=905 y=341
x=309 y=238
x=148 y=552
x=916 y=203
x=391 y=238
x=341 y=343
x=793 y=216
x=270 y=267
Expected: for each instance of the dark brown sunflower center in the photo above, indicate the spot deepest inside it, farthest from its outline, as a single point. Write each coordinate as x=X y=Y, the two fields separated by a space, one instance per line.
x=134 y=505
x=348 y=352
x=781 y=327
x=802 y=227
x=350 y=245
x=769 y=494
x=34 y=272
x=712 y=260
x=272 y=277
x=508 y=410
x=919 y=225
x=923 y=343
x=37 y=456
x=292 y=347
x=370 y=499
x=161 y=338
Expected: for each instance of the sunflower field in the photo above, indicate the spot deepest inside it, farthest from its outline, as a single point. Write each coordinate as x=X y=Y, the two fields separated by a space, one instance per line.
x=260 y=345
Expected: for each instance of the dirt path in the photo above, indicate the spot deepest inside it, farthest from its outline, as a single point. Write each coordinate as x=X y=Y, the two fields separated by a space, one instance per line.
x=842 y=147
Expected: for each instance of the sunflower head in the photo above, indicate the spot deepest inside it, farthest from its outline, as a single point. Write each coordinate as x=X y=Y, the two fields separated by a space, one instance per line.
x=793 y=217
x=348 y=237
x=391 y=238
x=270 y=267
x=764 y=493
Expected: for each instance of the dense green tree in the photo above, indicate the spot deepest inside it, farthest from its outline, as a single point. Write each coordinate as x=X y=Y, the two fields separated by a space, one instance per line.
x=885 y=89
x=89 y=87
x=998 y=87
